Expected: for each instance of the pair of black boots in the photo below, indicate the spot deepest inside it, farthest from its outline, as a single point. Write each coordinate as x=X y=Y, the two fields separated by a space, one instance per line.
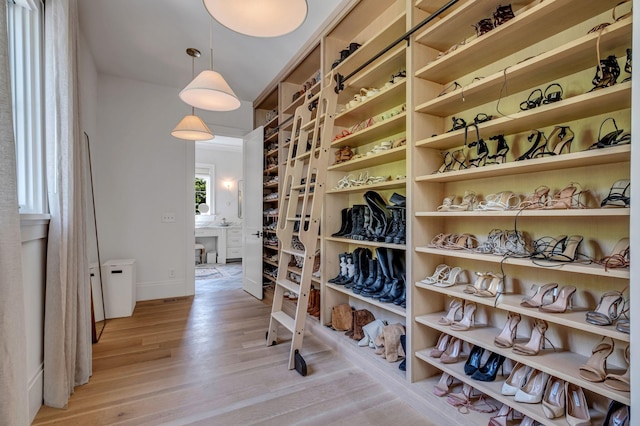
x=382 y=278
x=375 y=221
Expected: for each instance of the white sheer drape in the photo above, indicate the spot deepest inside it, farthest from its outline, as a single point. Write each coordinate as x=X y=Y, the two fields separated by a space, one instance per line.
x=13 y=371
x=67 y=334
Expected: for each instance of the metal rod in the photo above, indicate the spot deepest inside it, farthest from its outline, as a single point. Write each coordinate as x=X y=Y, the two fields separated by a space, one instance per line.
x=341 y=79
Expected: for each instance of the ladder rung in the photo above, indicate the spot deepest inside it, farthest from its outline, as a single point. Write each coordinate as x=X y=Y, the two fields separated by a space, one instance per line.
x=284 y=319
x=293 y=252
x=298 y=219
x=290 y=285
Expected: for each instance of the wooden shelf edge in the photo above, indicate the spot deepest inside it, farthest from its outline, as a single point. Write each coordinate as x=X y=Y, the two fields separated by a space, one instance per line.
x=390 y=307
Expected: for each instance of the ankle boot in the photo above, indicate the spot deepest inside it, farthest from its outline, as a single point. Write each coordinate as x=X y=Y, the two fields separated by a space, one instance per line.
x=349 y=270
x=382 y=275
x=349 y=332
x=346 y=223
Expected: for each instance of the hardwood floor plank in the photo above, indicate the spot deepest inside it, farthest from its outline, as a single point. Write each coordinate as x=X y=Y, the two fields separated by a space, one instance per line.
x=204 y=360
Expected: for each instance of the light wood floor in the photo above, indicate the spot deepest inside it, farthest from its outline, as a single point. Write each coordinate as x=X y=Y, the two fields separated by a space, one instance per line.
x=203 y=360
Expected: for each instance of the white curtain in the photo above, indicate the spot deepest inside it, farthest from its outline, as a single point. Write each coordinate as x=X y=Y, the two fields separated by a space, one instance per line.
x=67 y=332
x=14 y=408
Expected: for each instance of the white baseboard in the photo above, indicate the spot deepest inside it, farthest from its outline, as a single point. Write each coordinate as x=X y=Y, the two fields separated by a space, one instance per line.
x=35 y=388
x=160 y=290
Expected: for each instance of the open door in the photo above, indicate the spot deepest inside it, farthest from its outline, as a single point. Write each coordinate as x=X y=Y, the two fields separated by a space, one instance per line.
x=252 y=150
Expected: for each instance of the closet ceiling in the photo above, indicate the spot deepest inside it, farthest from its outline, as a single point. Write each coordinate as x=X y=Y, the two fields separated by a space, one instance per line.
x=146 y=40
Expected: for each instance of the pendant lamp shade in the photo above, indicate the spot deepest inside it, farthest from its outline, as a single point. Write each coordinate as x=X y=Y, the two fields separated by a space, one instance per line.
x=258 y=18
x=192 y=128
x=210 y=91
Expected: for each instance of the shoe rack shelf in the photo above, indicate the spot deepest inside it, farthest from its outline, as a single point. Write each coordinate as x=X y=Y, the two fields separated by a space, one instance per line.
x=489 y=388
x=391 y=184
x=546 y=42
x=556 y=362
x=602 y=101
x=370 y=160
x=548 y=66
x=367 y=243
x=388 y=127
x=569 y=267
x=573 y=318
x=541 y=21
x=398 y=310
x=384 y=100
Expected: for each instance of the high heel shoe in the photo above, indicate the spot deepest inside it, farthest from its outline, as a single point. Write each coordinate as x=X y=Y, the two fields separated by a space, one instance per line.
x=478 y=285
x=563 y=300
x=503 y=416
x=564 y=136
x=535 y=137
x=508 y=334
x=536 y=342
x=454 y=313
x=619 y=257
x=481 y=151
x=536 y=300
x=619 y=195
x=567 y=198
x=493 y=288
x=501 y=151
x=531 y=392
x=447 y=162
x=468 y=319
x=441 y=346
x=467 y=203
x=613 y=138
x=595 y=368
x=516 y=379
x=452 y=354
x=570 y=252
x=449 y=279
x=489 y=371
x=439 y=271
x=617 y=415
x=473 y=360
x=577 y=408
x=534 y=100
x=545 y=247
x=536 y=200
x=609 y=309
x=621 y=382
x=444 y=385
x=553 y=400
x=459 y=160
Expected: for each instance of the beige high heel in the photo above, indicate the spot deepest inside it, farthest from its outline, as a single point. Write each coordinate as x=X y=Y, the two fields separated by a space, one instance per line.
x=452 y=354
x=516 y=379
x=444 y=385
x=595 y=368
x=468 y=319
x=577 y=408
x=536 y=300
x=494 y=287
x=621 y=382
x=536 y=342
x=553 y=401
x=441 y=346
x=508 y=334
x=478 y=285
x=454 y=313
x=563 y=300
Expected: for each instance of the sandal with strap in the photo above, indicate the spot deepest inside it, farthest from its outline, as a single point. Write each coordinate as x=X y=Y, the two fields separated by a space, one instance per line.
x=536 y=200
x=563 y=136
x=547 y=247
x=595 y=368
x=447 y=203
x=621 y=382
x=567 y=198
x=613 y=138
x=505 y=200
x=608 y=310
x=493 y=241
x=467 y=203
x=619 y=257
x=619 y=195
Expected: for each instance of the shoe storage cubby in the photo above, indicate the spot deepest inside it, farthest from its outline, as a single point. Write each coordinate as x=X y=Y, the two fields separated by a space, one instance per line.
x=491 y=75
x=505 y=140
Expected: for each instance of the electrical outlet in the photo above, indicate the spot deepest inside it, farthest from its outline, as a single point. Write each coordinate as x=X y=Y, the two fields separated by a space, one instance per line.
x=172 y=273
x=168 y=217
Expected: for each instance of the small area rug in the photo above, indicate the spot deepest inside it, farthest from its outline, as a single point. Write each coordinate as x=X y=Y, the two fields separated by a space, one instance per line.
x=207 y=273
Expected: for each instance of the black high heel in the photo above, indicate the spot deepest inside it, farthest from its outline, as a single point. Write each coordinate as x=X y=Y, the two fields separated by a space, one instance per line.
x=481 y=151
x=473 y=360
x=564 y=136
x=489 y=371
x=615 y=137
x=536 y=137
x=552 y=96
x=502 y=15
x=458 y=123
x=534 y=100
x=607 y=73
x=501 y=151
x=481 y=118
x=483 y=26
x=627 y=66
x=446 y=163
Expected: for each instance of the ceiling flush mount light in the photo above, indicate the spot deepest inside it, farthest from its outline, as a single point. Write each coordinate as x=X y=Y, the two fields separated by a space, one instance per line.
x=259 y=18
x=209 y=90
x=191 y=127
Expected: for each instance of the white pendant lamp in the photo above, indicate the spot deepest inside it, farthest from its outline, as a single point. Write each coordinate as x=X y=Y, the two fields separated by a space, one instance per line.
x=209 y=90
x=191 y=127
x=258 y=18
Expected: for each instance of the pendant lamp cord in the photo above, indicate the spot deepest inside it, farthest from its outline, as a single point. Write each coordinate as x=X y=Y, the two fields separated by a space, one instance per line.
x=193 y=74
x=211 y=42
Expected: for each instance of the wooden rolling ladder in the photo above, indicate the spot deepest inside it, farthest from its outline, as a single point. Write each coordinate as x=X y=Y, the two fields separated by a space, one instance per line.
x=301 y=206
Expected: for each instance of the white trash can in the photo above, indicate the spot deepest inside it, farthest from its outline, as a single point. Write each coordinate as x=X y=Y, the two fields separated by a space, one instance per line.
x=119 y=287
x=212 y=257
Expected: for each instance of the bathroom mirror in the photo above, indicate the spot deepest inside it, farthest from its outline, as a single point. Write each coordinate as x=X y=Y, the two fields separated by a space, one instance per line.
x=98 y=317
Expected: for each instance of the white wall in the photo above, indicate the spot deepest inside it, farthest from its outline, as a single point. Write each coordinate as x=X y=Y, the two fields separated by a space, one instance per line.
x=141 y=172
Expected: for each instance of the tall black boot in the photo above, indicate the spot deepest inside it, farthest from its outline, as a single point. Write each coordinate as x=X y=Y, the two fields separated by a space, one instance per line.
x=390 y=279
x=365 y=256
x=382 y=215
x=357 y=220
x=400 y=237
x=381 y=274
x=346 y=223
x=342 y=275
x=371 y=276
x=356 y=267
x=391 y=263
x=366 y=225
x=400 y=290
x=395 y=225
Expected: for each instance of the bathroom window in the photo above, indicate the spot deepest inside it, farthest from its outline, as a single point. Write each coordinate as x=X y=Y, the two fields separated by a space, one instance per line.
x=204 y=192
